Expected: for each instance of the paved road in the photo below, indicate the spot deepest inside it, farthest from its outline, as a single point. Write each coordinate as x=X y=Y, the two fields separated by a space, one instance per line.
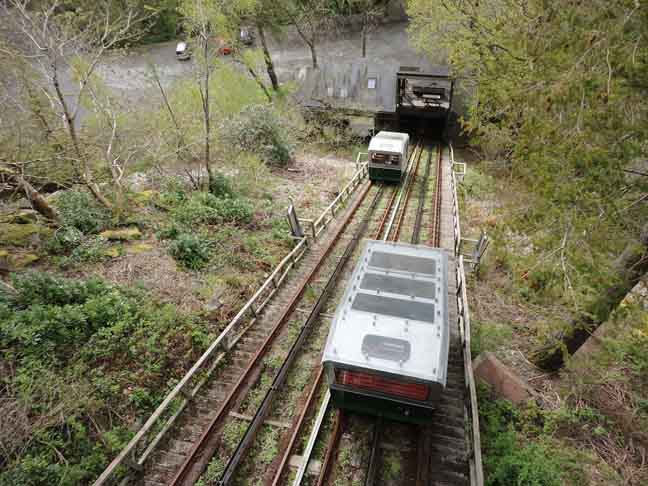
x=129 y=73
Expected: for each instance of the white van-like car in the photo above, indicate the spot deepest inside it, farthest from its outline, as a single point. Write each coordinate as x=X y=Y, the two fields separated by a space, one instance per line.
x=182 y=51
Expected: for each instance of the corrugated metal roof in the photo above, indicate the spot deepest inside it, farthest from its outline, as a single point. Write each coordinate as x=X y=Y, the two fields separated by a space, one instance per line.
x=361 y=85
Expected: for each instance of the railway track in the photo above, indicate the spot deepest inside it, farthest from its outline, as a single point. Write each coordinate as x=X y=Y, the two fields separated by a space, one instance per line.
x=184 y=459
x=434 y=454
x=247 y=407
x=196 y=435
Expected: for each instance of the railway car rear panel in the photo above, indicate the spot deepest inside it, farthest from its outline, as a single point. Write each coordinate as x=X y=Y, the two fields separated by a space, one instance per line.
x=387 y=350
x=388 y=152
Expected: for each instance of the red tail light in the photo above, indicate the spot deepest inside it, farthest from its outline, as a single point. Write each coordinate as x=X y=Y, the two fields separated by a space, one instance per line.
x=413 y=391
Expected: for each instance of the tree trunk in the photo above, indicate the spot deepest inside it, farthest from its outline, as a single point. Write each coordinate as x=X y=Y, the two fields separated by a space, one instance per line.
x=268 y=60
x=206 y=112
x=630 y=267
x=86 y=175
x=39 y=203
x=313 y=53
x=364 y=36
x=259 y=82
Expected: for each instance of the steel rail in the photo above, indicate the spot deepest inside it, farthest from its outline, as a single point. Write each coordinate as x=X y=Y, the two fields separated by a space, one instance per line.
x=127 y=456
x=280 y=378
x=297 y=426
x=390 y=204
x=307 y=404
x=408 y=193
x=331 y=447
x=416 y=233
x=391 y=209
x=372 y=467
x=198 y=447
x=435 y=229
x=394 y=210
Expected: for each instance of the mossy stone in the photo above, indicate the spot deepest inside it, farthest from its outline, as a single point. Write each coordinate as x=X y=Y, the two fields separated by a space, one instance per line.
x=20 y=216
x=138 y=248
x=112 y=252
x=144 y=197
x=122 y=234
x=23 y=260
x=21 y=234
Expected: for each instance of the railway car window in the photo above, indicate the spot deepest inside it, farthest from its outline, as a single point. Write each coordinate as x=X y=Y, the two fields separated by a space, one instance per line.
x=406 y=309
x=394 y=285
x=386 y=348
x=403 y=263
x=371 y=83
x=368 y=381
x=378 y=157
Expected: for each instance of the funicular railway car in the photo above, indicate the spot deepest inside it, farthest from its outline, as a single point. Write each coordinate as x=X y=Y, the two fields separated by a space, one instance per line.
x=388 y=153
x=387 y=349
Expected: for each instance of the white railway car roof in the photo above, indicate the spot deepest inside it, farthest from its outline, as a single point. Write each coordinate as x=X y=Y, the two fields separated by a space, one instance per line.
x=394 y=314
x=391 y=142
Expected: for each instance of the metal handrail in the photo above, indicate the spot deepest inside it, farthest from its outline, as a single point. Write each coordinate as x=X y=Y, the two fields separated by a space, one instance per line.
x=476 y=466
x=224 y=341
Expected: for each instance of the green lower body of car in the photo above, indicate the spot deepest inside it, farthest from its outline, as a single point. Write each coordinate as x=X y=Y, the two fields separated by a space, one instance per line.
x=389 y=409
x=385 y=175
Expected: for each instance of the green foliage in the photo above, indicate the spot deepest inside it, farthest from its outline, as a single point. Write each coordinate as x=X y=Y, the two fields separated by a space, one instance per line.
x=220 y=185
x=204 y=207
x=78 y=209
x=509 y=458
x=173 y=192
x=64 y=239
x=191 y=250
x=489 y=336
x=80 y=348
x=558 y=104
x=258 y=129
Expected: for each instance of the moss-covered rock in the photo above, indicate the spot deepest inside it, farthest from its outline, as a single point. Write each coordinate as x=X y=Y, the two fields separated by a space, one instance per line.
x=22 y=260
x=22 y=234
x=112 y=252
x=138 y=248
x=122 y=234
x=20 y=216
x=144 y=197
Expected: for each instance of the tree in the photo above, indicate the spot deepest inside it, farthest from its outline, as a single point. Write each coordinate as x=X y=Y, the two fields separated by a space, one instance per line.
x=64 y=44
x=266 y=16
x=630 y=267
x=557 y=90
x=310 y=18
x=369 y=11
x=200 y=18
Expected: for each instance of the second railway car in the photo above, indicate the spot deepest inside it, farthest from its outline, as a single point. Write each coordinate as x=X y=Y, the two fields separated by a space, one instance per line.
x=387 y=349
x=388 y=155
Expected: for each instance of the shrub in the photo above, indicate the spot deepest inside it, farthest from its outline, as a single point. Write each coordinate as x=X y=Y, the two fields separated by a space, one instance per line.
x=511 y=459
x=80 y=210
x=204 y=207
x=92 y=250
x=220 y=185
x=190 y=250
x=194 y=211
x=76 y=350
x=233 y=210
x=258 y=129
x=174 y=191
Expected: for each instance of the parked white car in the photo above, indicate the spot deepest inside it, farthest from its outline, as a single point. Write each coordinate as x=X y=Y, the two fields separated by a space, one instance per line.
x=182 y=51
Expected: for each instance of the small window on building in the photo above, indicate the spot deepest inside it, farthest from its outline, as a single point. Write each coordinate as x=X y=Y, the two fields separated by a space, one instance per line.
x=371 y=83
